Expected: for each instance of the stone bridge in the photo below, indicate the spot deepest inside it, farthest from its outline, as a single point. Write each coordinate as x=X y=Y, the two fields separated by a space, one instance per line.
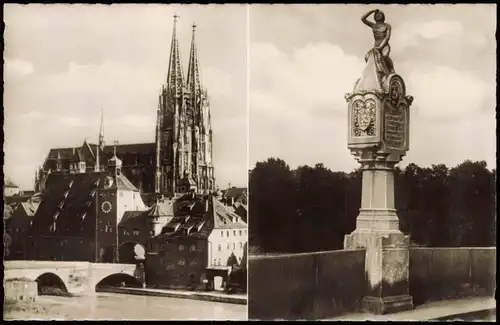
x=79 y=278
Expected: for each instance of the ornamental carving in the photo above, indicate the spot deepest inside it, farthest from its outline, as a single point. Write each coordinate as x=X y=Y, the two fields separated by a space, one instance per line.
x=364 y=113
x=396 y=90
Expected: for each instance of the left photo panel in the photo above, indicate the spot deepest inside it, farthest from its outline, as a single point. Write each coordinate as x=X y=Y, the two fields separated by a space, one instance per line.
x=125 y=166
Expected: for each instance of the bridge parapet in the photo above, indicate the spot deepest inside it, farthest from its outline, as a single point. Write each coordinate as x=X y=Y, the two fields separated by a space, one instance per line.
x=79 y=278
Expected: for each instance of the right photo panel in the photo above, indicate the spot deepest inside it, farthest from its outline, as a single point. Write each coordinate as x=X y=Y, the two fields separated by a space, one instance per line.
x=372 y=173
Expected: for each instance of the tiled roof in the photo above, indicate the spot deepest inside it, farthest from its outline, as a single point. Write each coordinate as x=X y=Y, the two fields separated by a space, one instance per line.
x=67 y=153
x=224 y=218
x=131 y=148
x=15 y=199
x=122 y=183
x=235 y=192
x=69 y=200
x=29 y=208
x=161 y=209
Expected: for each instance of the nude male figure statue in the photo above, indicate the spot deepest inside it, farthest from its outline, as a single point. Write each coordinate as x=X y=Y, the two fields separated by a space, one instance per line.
x=382 y=35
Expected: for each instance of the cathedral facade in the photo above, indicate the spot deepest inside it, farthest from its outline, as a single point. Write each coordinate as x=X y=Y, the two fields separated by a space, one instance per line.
x=182 y=151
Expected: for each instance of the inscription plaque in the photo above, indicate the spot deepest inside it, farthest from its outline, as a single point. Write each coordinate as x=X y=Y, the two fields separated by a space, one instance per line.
x=395 y=127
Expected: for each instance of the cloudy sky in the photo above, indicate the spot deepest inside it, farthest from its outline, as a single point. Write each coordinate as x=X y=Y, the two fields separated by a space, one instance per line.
x=304 y=58
x=64 y=63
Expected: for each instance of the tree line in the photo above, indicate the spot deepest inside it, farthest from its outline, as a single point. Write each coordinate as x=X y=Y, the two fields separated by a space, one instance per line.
x=313 y=208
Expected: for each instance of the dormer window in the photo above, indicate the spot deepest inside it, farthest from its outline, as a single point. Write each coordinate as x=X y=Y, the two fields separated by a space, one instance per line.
x=53 y=227
x=82 y=167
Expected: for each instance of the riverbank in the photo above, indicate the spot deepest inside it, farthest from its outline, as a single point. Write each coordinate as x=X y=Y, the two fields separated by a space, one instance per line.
x=204 y=296
x=32 y=310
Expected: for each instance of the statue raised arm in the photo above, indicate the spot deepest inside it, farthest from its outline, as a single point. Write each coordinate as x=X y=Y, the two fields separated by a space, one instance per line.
x=381 y=34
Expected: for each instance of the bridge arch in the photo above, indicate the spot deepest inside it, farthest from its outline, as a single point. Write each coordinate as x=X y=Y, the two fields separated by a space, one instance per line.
x=130 y=252
x=51 y=284
x=118 y=280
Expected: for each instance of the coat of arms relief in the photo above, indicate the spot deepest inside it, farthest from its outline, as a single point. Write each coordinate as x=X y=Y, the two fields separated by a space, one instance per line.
x=364 y=117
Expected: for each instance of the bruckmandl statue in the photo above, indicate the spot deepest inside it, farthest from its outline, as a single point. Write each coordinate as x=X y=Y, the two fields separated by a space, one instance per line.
x=382 y=35
x=378 y=136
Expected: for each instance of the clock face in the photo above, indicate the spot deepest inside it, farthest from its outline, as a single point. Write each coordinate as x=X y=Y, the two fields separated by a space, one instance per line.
x=106 y=206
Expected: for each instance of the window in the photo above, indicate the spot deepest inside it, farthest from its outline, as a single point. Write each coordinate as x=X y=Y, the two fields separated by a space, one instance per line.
x=136 y=232
x=228 y=246
x=234 y=246
x=108 y=227
x=241 y=245
x=133 y=196
x=181 y=248
x=192 y=263
x=121 y=193
x=234 y=232
x=170 y=267
x=219 y=262
x=214 y=262
x=222 y=234
x=219 y=247
x=193 y=248
x=227 y=233
x=125 y=232
x=241 y=233
x=182 y=262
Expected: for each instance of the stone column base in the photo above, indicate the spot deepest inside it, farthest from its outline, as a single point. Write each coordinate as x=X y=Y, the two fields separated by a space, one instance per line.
x=386 y=269
x=387 y=305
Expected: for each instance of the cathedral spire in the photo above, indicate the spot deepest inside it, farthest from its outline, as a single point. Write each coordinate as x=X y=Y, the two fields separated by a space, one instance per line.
x=193 y=82
x=175 y=79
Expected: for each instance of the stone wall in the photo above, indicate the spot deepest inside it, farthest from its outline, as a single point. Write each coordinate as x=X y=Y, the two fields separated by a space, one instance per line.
x=306 y=286
x=445 y=273
x=20 y=289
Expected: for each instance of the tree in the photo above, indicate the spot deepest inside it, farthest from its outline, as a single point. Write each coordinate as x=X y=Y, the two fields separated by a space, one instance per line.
x=271 y=193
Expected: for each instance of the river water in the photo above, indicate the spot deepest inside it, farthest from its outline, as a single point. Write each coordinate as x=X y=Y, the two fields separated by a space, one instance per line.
x=111 y=306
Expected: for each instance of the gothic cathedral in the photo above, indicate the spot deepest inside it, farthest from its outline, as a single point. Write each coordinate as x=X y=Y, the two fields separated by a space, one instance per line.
x=181 y=156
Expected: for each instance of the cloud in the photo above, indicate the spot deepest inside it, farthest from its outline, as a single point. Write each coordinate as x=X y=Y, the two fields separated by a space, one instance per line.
x=298 y=111
x=221 y=83
x=313 y=78
x=440 y=28
x=17 y=68
x=442 y=91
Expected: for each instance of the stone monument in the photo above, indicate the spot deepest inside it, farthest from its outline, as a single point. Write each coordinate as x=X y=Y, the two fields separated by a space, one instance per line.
x=379 y=138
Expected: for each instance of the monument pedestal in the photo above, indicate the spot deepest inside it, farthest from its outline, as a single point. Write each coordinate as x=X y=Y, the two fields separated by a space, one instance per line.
x=386 y=270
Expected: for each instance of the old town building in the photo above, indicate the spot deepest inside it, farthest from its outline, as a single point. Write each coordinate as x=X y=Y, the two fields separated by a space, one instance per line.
x=17 y=226
x=9 y=188
x=202 y=241
x=78 y=216
x=183 y=138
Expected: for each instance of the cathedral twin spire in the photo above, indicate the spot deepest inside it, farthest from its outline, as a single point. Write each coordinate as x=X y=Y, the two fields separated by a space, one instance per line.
x=175 y=77
x=183 y=130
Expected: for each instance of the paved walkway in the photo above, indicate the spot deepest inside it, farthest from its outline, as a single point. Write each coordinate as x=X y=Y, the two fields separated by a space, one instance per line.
x=240 y=299
x=430 y=311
